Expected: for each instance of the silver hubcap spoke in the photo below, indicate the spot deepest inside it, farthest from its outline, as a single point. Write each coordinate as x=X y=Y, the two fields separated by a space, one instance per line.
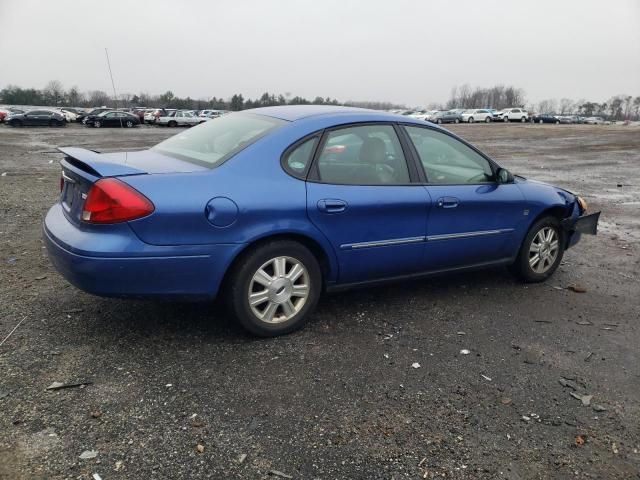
x=543 y=250
x=278 y=290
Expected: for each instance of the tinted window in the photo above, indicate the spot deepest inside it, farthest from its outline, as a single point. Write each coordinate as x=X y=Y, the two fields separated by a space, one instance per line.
x=365 y=155
x=447 y=160
x=297 y=160
x=211 y=143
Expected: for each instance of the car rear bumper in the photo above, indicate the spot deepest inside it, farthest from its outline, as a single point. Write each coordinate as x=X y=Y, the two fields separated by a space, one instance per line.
x=119 y=264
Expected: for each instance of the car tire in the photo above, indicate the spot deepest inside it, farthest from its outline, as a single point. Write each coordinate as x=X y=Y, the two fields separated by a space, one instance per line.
x=129 y=124
x=97 y=124
x=257 y=270
x=505 y=119
x=457 y=120
x=540 y=121
x=526 y=267
x=470 y=120
x=523 y=119
x=172 y=124
x=487 y=120
x=15 y=123
x=439 y=121
x=557 y=122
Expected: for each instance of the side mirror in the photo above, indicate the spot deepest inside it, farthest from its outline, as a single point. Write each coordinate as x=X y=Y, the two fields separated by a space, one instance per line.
x=504 y=176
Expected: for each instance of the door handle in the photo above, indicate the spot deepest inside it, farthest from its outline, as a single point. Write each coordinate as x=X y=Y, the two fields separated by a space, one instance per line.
x=332 y=205
x=447 y=202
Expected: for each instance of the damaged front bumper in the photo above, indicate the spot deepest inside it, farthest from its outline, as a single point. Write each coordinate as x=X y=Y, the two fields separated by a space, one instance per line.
x=577 y=224
x=582 y=224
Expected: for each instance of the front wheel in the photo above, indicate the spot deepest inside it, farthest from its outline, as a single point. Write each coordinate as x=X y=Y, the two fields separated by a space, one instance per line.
x=97 y=124
x=523 y=119
x=505 y=119
x=275 y=287
x=129 y=124
x=487 y=120
x=470 y=120
x=541 y=251
x=457 y=120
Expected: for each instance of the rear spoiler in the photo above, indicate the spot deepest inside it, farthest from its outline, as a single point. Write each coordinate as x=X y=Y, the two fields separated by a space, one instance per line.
x=96 y=164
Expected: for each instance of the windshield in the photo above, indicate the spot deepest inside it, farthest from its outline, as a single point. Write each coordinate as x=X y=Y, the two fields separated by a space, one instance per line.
x=211 y=143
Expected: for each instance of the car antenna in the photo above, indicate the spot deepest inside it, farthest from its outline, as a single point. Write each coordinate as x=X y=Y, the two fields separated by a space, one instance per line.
x=115 y=95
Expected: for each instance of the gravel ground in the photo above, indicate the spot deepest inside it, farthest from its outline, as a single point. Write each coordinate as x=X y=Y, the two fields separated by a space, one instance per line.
x=340 y=399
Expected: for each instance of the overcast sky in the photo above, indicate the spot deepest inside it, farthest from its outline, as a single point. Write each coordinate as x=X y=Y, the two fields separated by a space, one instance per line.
x=408 y=51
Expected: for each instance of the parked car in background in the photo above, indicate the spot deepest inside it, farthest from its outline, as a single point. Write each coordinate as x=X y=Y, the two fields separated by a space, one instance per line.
x=40 y=118
x=292 y=221
x=477 y=115
x=68 y=115
x=424 y=115
x=513 y=115
x=545 y=118
x=450 y=116
x=594 y=121
x=83 y=115
x=568 y=119
x=112 y=118
x=211 y=113
x=180 y=118
x=152 y=116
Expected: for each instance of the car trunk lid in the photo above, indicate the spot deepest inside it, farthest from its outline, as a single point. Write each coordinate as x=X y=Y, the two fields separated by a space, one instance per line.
x=81 y=168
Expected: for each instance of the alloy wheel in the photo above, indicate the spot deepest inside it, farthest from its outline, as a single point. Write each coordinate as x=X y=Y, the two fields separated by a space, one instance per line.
x=279 y=289
x=544 y=250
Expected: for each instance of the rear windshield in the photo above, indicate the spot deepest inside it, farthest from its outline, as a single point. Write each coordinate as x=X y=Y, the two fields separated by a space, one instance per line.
x=213 y=142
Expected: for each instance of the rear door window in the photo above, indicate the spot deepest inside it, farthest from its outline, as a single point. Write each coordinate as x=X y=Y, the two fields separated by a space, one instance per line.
x=363 y=155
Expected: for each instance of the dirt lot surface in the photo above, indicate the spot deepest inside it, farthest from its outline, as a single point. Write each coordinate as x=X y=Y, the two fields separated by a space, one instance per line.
x=339 y=400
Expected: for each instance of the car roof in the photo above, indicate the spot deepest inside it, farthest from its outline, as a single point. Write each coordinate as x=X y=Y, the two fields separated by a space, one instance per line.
x=292 y=113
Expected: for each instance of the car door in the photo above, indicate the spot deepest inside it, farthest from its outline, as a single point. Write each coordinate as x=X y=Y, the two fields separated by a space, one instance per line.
x=34 y=118
x=473 y=219
x=366 y=199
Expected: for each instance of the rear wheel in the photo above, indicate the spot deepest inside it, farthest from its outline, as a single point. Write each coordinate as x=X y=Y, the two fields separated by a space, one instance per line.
x=540 y=121
x=172 y=123
x=470 y=119
x=129 y=124
x=457 y=120
x=505 y=119
x=557 y=122
x=523 y=119
x=15 y=123
x=541 y=251
x=439 y=120
x=275 y=287
x=97 y=124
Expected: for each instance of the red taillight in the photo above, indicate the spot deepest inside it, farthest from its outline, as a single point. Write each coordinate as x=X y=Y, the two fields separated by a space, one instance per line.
x=112 y=201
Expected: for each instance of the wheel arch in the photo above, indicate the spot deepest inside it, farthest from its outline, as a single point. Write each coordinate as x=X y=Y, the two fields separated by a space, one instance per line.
x=326 y=260
x=560 y=212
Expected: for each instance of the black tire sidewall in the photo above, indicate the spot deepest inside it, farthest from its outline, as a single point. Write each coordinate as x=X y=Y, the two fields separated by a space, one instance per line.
x=240 y=281
x=521 y=266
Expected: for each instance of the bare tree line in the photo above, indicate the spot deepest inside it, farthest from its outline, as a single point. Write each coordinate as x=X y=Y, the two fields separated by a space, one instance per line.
x=619 y=107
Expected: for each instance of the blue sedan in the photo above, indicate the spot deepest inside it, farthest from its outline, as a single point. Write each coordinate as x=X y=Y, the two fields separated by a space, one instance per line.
x=270 y=207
